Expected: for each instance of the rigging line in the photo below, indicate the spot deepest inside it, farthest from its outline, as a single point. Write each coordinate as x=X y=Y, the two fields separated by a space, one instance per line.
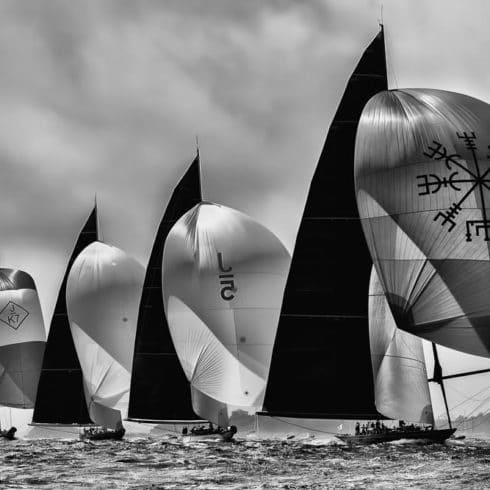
x=467 y=398
x=478 y=406
x=464 y=401
x=305 y=427
x=481 y=422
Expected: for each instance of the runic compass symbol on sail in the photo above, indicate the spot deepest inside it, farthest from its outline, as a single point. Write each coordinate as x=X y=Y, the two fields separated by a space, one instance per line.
x=477 y=182
x=13 y=315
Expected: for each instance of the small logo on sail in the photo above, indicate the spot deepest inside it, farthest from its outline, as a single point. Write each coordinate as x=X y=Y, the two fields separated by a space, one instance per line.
x=226 y=280
x=13 y=315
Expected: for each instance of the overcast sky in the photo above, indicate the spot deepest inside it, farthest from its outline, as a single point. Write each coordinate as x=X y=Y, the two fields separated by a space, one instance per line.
x=107 y=97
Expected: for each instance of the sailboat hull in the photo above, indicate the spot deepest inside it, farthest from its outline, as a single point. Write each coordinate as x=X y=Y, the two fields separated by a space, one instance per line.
x=427 y=435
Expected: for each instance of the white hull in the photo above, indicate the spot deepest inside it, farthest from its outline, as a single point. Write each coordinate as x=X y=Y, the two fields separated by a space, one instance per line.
x=133 y=430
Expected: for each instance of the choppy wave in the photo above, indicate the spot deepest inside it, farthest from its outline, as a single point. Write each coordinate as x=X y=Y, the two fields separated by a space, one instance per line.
x=247 y=463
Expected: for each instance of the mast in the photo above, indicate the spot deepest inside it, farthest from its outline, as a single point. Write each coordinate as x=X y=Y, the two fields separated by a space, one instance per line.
x=321 y=365
x=438 y=378
x=60 y=396
x=97 y=221
x=159 y=388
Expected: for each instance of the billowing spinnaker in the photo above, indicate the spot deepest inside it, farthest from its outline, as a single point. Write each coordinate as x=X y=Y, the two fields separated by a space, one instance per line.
x=423 y=190
x=223 y=279
x=102 y=297
x=399 y=373
x=22 y=339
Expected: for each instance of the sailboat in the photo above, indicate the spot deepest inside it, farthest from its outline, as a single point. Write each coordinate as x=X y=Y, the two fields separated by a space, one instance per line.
x=102 y=297
x=223 y=274
x=22 y=341
x=429 y=236
x=331 y=371
x=61 y=375
x=321 y=362
x=160 y=392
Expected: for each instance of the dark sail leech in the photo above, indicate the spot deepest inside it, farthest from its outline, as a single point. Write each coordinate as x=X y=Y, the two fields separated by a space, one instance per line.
x=61 y=372
x=321 y=363
x=159 y=389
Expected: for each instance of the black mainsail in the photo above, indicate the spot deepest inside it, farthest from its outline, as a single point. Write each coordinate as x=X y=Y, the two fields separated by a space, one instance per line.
x=159 y=388
x=321 y=364
x=61 y=374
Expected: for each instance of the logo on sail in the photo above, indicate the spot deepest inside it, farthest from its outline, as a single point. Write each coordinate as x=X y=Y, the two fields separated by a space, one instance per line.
x=13 y=315
x=477 y=180
x=226 y=280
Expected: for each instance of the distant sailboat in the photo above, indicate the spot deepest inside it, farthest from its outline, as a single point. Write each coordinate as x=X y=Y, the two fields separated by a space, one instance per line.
x=160 y=392
x=61 y=374
x=22 y=341
x=102 y=298
x=223 y=275
x=321 y=364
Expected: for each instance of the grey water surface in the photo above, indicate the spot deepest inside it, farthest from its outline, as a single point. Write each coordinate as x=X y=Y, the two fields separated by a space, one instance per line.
x=247 y=463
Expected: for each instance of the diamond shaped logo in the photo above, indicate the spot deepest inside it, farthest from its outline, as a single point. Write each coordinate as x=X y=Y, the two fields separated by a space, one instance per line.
x=13 y=315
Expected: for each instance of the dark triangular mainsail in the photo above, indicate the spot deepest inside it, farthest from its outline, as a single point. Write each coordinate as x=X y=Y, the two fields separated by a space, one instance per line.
x=321 y=364
x=60 y=396
x=159 y=389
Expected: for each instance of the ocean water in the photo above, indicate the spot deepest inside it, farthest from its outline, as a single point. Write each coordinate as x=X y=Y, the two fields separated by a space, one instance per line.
x=167 y=462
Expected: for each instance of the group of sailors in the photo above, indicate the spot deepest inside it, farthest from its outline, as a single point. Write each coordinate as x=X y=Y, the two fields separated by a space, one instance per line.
x=201 y=430
x=380 y=428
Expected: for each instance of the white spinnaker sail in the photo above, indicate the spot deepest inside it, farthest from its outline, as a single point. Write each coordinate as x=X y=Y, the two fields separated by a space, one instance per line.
x=397 y=357
x=102 y=295
x=22 y=339
x=423 y=190
x=223 y=279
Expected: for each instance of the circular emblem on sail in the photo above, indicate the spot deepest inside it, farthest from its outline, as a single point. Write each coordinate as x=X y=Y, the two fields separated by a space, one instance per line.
x=13 y=315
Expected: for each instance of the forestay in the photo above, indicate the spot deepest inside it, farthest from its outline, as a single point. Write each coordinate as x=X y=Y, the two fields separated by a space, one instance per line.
x=102 y=296
x=22 y=339
x=422 y=173
x=400 y=377
x=223 y=279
